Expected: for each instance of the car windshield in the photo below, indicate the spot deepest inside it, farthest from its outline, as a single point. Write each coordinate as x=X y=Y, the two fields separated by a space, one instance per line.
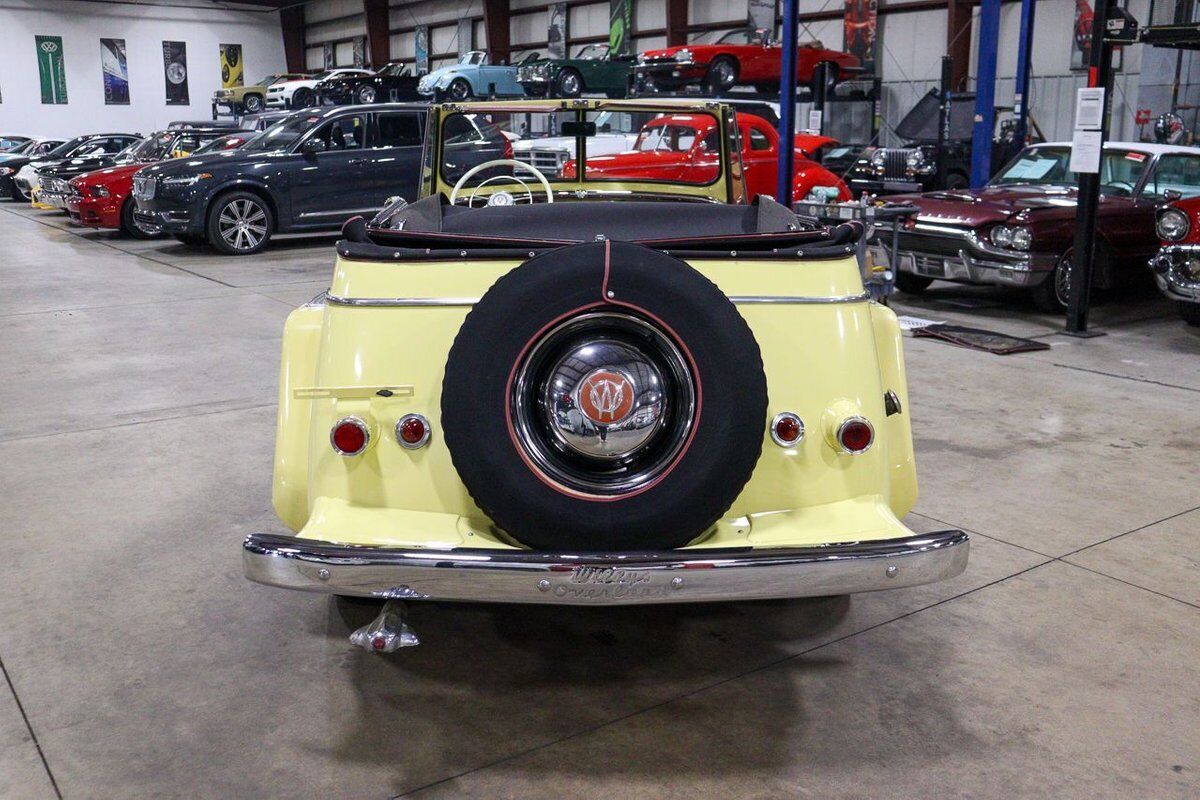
x=23 y=147
x=268 y=80
x=12 y=144
x=1177 y=174
x=619 y=145
x=1120 y=169
x=394 y=70
x=66 y=148
x=320 y=76
x=282 y=134
x=473 y=57
x=740 y=36
x=225 y=143
x=152 y=148
x=592 y=52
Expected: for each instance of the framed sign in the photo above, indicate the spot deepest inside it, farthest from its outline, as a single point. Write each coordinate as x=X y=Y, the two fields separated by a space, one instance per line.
x=620 y=27
x=231 y=66
x=175 y=73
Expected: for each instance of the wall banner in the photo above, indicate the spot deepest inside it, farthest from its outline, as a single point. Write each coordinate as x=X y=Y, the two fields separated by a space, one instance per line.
x=620 y=27
x=327 y=55
x=358 y=49
x=556 y=32
x=175 y=72
x=232 y=69
x=51 y=68
x=421 y=49
x=860 y=25
x=115 y=70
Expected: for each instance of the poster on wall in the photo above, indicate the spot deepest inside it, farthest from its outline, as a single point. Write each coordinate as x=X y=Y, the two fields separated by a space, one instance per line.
x=51 y=69
x=860 y=25
x=421 y=48
x=1081 y=39
x=115 y=70
x=761 y=14
x=620 y=27
x=327 y=56
x=556 y=32
x=359 y=50
x=232 y=70
x=465 y=35
x=175 y=72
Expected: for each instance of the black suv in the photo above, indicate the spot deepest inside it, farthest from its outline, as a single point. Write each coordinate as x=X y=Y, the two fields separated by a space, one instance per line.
x=913 y=167
x=308 y=173
x=391 y=83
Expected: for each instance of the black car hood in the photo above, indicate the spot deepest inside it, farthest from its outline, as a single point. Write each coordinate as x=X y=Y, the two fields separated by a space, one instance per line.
x=224 y=160
x=77 y=166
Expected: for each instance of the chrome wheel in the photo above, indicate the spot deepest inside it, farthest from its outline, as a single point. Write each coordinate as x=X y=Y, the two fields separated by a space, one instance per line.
x=569 y=84
x=253 y=104
x=1062 y=281
x=459 y=90
x=721 y=74
x=242 y=224
x=603 y=403
x=366 y=94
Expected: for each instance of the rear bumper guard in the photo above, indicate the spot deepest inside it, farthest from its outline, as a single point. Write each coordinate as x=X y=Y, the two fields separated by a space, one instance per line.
x=672 y=576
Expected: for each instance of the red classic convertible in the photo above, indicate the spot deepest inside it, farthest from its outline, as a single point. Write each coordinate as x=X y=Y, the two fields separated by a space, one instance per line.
x=743 y=57
x=101 y=199
x=685 y=147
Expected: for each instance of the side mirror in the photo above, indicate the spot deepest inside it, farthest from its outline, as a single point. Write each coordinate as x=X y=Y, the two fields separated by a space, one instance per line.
x=313 y=146
x=1171 y=195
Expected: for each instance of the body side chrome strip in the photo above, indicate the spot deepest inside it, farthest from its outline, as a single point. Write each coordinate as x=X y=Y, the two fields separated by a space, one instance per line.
x=402 y=302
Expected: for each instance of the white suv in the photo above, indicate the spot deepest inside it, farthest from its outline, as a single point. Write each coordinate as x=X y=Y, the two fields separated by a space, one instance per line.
x=302 y=93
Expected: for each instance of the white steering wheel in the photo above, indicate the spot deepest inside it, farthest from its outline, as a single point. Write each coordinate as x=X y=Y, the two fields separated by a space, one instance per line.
x=501 y=162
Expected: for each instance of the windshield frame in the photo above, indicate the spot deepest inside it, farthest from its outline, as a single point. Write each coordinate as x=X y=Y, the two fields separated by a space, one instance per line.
x=1109 y=150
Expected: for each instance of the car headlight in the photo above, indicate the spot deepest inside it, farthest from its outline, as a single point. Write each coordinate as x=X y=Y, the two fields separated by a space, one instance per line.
x=186 y=180
x=915 y=158
x=1002 y=236
x=877 y=158
x=6 y=171
x=1173 y=225
x=1022 y=238
x=97 y=191
x=684 y=56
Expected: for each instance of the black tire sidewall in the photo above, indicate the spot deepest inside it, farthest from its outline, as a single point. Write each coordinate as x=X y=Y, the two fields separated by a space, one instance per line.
x=213 y=233
x=710 y=79
x=727 y=435
x=302 y=98
x=360 y=94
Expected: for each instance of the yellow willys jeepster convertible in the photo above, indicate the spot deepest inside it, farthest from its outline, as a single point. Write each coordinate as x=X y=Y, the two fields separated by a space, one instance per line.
x=631 y=384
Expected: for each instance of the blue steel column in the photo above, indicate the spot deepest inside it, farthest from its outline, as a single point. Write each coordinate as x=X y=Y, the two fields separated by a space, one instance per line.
x=1024 y=65
x=985 y=93
x=787 y=106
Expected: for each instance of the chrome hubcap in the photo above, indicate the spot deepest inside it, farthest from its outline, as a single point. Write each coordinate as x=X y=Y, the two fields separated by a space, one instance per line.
x=603 y=403
x=570 y=83
x=458 y=90
x=367 y=94
x=243 y=224
x=1062 y=281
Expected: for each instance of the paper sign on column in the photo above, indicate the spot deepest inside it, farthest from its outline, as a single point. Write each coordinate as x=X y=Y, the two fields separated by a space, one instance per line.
x=1085 y=143
x=814 y=120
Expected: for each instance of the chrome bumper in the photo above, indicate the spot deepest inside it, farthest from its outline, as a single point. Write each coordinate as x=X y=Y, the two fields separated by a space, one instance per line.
x=958 y=254
x=673 y=576
x=1170 y=275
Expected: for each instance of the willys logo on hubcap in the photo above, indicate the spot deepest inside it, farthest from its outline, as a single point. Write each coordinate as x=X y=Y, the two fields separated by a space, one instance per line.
x=605 y=397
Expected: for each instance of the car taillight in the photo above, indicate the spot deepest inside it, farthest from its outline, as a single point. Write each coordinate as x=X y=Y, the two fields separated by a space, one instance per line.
x=787 y=429
x=350 y=436
x=413 y=431
x=855 y=435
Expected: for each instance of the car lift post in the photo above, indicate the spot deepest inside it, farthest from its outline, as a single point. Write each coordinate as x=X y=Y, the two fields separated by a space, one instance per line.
x=1088 y=196
x=787 y=106
x=943 y=131
x=1024 y=65
x=985 y=93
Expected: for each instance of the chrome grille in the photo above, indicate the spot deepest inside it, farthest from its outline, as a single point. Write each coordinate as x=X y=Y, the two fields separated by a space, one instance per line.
x=895 y=164
x=547 y=161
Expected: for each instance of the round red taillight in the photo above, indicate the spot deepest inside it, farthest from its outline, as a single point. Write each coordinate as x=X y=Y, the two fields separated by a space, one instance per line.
x=413 y=431
x=855 y=435
x=350 y=436
x=787 y=429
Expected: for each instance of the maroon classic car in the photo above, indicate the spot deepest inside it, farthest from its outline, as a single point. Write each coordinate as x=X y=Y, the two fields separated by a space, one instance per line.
x=1019 y=229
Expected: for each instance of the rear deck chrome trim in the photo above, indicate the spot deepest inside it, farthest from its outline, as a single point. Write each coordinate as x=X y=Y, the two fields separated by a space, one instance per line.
x=404 y=302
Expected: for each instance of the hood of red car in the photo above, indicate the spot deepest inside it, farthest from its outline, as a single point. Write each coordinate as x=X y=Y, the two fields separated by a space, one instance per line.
x=109 y=175
x=993 y=203
x=636 y=159
x=698 y=49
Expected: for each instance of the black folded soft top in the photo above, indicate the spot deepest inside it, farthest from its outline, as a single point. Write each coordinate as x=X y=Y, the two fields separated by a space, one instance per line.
x=434 y=228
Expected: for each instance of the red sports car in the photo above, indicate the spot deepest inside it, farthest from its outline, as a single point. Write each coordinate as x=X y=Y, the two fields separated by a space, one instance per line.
x=746 y=56
x=685 y=147
x=102 y=199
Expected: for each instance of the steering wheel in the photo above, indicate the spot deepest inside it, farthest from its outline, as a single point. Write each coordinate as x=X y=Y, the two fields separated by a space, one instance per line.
x=1121 y=185
x=501 y=162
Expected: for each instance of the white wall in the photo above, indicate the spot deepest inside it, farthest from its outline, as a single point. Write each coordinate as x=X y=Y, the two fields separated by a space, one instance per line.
x=144 y=28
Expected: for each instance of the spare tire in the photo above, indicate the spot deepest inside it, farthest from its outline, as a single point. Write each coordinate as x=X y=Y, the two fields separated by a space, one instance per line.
x=604 y=396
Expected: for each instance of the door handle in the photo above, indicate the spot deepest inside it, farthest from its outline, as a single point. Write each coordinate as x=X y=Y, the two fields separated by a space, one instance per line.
x=355 y=161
